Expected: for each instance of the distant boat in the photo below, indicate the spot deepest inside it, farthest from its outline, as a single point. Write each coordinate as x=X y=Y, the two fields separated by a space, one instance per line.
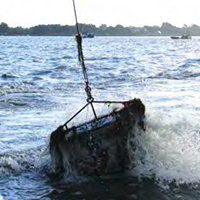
x=184 y=36
x=175 y=37
x=88 y=35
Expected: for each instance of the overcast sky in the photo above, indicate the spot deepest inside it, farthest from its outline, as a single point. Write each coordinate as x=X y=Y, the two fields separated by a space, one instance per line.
x=28 y=13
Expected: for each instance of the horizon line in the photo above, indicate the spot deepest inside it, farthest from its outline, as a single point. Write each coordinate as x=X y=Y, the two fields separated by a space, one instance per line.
x=46 y=24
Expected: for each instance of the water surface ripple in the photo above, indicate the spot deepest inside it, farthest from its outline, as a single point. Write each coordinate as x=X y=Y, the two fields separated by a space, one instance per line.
x=41 y=86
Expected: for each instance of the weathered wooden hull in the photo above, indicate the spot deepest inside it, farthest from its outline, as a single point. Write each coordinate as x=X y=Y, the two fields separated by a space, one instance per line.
x=98 y=146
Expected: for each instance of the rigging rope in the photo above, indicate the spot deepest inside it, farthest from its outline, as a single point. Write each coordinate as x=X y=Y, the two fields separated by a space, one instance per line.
x=90 y=99
x=88 y=89
x=81 y=60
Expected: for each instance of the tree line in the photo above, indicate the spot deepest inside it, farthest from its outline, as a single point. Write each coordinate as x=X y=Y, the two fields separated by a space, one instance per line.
x=166 y=29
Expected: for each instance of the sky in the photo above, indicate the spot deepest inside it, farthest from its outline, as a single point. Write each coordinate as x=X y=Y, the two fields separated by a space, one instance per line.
x=27 y=13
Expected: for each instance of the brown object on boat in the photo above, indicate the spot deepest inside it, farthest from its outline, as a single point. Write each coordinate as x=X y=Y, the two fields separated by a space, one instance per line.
x=99 y=146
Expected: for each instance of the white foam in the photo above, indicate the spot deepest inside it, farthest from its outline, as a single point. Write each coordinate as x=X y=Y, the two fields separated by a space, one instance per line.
x=16 y=162
x=169 y=150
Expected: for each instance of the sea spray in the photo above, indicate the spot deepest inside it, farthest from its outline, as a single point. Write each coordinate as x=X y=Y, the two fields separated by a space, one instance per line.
x=16 y=162
x=169 y=149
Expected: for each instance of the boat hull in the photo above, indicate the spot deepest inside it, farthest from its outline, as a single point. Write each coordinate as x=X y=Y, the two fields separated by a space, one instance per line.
x=182 y=37
x=99 y=146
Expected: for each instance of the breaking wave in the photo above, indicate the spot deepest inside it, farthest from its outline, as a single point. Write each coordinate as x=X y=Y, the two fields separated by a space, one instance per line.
x=15 y=162
x=169 y=149
x=188 y=70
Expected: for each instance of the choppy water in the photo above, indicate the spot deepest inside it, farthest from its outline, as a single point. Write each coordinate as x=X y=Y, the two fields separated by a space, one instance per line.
x=41 y=86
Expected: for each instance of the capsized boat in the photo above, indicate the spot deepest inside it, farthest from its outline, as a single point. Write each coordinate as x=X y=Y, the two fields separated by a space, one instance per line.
x=100 y=146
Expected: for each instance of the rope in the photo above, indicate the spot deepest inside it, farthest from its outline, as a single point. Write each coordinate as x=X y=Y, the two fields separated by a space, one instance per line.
x=88 y=89
x=81 y=60
x=90 y=99
x=76 y=17
x=123 y=102
x=108 y=102
x=65 y=124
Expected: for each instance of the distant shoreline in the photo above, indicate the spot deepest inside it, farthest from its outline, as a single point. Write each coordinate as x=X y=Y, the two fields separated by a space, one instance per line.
x=166 y=29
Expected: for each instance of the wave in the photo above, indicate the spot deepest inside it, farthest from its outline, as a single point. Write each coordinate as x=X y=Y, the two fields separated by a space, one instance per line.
x=189 y=70
x=177 y=75
x=15 y=162
x=22 y=87
x=8 y=76
x=169 y=150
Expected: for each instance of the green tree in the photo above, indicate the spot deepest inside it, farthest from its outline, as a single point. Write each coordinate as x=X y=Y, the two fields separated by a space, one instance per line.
x=4 y=29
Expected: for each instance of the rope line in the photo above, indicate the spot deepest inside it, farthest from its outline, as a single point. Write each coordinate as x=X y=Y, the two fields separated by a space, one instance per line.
x=81 y=60
x=90 y=99
x=65 y=124
x=76 y=19
x=106 y=102
x=88 y=89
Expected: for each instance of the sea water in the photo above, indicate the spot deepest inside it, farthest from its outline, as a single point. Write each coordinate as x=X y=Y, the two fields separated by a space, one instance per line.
x=42 y=86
